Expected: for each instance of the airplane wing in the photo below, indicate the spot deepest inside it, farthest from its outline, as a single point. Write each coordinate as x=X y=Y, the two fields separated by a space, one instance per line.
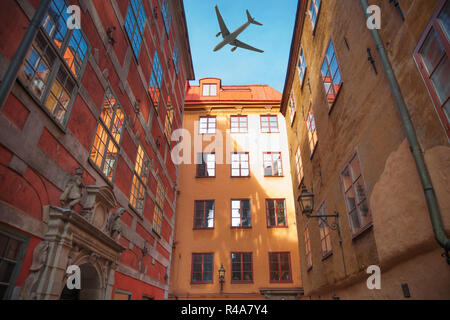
x=242 y=45
x=223 y=27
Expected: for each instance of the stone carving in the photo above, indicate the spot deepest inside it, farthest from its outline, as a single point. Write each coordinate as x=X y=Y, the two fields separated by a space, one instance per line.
x=72 y=255
x=93 y=258
x=114 y=226
x=29 y=288
x=73 y=192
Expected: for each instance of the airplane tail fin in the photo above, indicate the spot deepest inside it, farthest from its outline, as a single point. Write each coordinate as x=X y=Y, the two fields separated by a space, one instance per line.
x=252 y=20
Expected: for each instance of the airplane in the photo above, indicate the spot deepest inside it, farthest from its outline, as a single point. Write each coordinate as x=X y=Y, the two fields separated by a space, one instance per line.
x=230 y=38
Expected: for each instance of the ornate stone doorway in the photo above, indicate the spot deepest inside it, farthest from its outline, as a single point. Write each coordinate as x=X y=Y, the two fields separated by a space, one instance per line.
x=82 y=239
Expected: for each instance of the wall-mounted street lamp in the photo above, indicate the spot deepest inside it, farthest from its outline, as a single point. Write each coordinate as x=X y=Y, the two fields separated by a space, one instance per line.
x=221 y=277
x=306 y=202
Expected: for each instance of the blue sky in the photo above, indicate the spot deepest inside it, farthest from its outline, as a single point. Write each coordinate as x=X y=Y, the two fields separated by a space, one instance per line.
x=242 y=66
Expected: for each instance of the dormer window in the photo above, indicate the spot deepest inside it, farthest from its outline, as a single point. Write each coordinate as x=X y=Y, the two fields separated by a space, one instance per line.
x=209 y=90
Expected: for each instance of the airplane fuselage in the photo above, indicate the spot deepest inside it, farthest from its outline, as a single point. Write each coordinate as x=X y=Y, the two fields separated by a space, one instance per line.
x=232 y=36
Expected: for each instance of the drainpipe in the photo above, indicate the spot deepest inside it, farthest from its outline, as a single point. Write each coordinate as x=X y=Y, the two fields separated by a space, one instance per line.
x=430 y=196
x=19 y=56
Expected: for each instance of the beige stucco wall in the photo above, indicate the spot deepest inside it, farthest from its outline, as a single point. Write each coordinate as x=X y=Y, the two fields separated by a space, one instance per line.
x=365 y=120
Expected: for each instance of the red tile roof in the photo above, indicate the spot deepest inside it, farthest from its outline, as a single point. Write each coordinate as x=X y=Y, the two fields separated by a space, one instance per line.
x=231 y=93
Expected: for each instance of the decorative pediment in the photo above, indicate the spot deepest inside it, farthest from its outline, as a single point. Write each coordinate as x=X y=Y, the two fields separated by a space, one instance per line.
x=97 y=205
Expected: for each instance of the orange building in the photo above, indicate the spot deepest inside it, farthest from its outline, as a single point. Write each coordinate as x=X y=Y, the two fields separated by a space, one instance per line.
x=235 y=206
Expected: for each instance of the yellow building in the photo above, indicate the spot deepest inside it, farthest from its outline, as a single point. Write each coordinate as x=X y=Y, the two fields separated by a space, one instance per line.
x=235 y=205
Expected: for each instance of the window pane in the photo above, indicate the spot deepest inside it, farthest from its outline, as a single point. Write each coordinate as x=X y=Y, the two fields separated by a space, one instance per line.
x=360 y=192
x=247 y=267
x=13 y=249
x=440 y=80
x=364 y=213
x=236 y=276
x=346 y=178
x=444 y=18
x=356 y=171
x=274 y=276
x=197 y=277
x=246 y=218
x=6 y=270
x=207 y=267
x=213 y=90
x=208 y=257
x=205 y=90
x=355 y=221
x=285 y=276
x=207 y=277
x=40 y=79
x=431 y=51
x=350 y=199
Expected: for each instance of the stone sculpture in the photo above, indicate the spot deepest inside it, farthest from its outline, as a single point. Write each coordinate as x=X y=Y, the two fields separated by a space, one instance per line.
x=29 y=288
x=73 y=192
x=114 y=226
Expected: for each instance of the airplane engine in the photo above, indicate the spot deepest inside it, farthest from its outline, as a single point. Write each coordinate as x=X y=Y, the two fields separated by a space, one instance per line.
x=232 y=49
x=218 y=34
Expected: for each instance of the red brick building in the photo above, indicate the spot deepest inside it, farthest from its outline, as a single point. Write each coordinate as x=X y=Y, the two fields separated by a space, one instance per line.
x=104 y=98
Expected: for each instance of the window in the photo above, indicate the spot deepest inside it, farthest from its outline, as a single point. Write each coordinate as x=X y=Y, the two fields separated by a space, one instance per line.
x=269 y=124
x=105 y=149
x=355 y=197
x=276 y=213
x=240 y=164
x=207 y=125
x=71 y=44
x=204 y=214
x=308 y=255
x=272 y=164
x=312 y=131
x=239 y=124
x=292 y=108
x=175 y=58
x=206 y=165
x=168 y=125
x=12 y=253
x=61 y=93
x=331 y=75
x=301 y=66
x=240 y=214
x=202 y=268
x=432 y=56
x=324 y=230
x=241 y=267
x=139 y=184
x=280 y=267
x=159 y=207
x=154 y=87
x=165 y=11
x=209 y=90
x=55 y=62
x=134 y=25
x=122 y=295
x=314 y=7
x=299 y=165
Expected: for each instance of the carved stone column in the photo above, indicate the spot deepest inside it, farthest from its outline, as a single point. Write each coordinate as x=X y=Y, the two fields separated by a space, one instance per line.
x=59 y=239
